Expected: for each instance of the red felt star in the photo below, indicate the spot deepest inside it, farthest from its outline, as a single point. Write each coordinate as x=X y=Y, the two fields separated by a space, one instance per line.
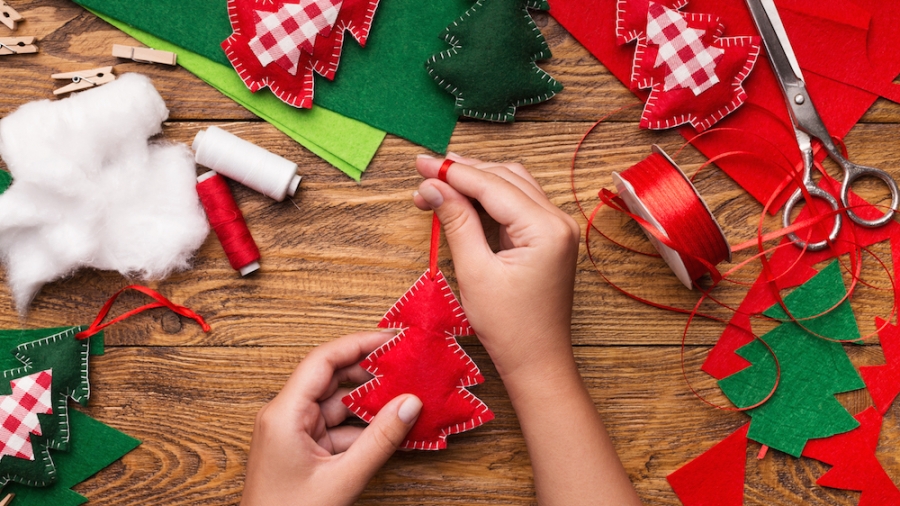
x=715 y=478
x=695 y=75
x=268 y=54
x=425 y=359
x=855 y=465
x=883 y=381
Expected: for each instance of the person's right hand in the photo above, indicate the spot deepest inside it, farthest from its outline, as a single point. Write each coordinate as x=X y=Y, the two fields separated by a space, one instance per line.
x=519 y=299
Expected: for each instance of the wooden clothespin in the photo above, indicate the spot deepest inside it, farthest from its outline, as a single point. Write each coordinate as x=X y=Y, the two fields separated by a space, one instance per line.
x=9 y=17
x=17 y=45
x=82 y=79
x=8 y=499
x=144 y=54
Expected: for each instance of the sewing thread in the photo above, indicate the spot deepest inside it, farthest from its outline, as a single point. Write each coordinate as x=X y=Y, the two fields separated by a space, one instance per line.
x=656 y=190
x=246 y=163
x=227 y=221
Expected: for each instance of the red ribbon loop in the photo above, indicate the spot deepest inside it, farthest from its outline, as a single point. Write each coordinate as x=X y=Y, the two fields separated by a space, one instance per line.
x=161 y=301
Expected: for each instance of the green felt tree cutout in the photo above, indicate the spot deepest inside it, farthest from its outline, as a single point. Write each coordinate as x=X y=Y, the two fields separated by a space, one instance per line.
x=813 y=369
x=490 y=68
x=67 y=358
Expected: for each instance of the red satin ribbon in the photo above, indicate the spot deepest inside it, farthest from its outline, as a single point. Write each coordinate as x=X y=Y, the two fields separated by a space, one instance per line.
x=436 y=226
x=161 y=301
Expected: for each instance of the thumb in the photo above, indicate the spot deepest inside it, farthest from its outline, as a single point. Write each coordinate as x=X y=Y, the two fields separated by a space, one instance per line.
x=384 y=435
x=460 y=221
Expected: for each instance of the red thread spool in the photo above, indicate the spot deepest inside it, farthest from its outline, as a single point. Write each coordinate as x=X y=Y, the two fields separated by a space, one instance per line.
x=227 y=221
x=657 y=191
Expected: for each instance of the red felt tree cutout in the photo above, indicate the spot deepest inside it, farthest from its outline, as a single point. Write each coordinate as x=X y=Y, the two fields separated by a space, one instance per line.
x=424 y=359
x=883 y=381
x=281 y=45
x=715 y=478
x=855 y=466
x=19 y=412
x=694 y=75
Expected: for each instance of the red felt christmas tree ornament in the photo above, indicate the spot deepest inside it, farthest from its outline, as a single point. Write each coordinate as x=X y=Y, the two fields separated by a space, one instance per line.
x=425 y=359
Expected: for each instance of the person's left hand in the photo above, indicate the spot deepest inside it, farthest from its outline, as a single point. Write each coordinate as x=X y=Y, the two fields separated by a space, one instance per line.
x=300 y=453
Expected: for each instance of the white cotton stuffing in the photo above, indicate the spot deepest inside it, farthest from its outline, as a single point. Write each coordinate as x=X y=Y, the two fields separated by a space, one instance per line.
x=90 y=190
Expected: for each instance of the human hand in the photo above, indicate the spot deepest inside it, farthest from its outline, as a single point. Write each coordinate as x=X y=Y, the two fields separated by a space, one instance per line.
x=519 y=299
x=300 y=453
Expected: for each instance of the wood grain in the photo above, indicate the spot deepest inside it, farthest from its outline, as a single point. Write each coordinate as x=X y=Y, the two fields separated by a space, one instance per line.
x=336 y=258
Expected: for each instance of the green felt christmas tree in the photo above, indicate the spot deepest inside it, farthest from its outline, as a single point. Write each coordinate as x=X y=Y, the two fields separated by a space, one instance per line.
x=82 y=446
x=813 y=369
x=490 y=68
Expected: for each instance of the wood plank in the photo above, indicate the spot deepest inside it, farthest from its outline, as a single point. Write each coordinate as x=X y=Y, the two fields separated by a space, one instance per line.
x=194 y=409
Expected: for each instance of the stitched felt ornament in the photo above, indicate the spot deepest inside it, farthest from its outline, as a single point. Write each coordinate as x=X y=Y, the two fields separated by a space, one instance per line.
x=426 y=360
x=812 y=368
x=694 y=74
x=854 y=463
x=282 y=44
x=490 y=68
x=50 y=367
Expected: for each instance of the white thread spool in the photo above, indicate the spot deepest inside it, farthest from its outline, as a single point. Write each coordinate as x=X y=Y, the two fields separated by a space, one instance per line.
x=246 y=163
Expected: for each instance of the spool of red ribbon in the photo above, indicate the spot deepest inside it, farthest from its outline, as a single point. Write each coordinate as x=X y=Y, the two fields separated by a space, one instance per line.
x=227 y=221
x=658 y=192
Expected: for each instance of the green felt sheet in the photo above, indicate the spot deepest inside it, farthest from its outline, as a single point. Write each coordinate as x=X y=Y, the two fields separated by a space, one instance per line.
x=490 y=68
x=346 y=143
x=384 y=84
x=813 y=369
x=93 y=446
x=5 y=180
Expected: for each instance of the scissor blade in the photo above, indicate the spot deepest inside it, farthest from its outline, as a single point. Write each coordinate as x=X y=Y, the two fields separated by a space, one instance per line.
x=778 y=46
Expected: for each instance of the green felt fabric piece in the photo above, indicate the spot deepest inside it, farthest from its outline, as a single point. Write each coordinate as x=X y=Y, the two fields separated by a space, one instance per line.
x=68 y=358
x=813 y=370
x=490 y=67
x=383 y=84
x=5 y=180
x=346 y=143
x=93 y=446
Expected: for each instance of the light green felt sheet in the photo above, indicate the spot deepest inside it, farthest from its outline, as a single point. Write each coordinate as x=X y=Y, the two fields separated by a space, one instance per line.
x=346 y=143
x=813 y=369
x=384 y=84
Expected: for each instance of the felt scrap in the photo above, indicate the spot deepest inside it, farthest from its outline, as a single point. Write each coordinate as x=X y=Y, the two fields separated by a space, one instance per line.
x=694 y=74
x=792 y=267
x=763 y=128
x=490 y=67
x=426 y=360
x=716 y=477
x=345 y=143
x=90 y=190
x=883 y=381
x=382 y=85
x=813 y=369
x=266 y=31
x=855 y=465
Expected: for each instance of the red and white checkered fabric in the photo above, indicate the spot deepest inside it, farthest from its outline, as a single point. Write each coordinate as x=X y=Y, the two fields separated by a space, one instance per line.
x=690 y=62
x=281 y=35
x=19 y=413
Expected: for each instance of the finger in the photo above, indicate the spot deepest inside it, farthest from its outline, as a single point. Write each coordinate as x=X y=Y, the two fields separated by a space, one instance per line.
x=333 y=409
x=463 y=159
x=313 y=378
x=352 y=374
x=528 y=186
x=505 y=202
x=382 y=437
x=343 y=437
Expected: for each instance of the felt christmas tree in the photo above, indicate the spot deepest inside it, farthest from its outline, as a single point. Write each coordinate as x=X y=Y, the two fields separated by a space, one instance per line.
x=89 y=445
x=490 y=68
x=813 y=368
x=426 y=360
x=281 y=44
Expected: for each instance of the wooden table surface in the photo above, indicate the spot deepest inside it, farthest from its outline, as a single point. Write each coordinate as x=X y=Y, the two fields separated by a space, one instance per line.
x=338 y=257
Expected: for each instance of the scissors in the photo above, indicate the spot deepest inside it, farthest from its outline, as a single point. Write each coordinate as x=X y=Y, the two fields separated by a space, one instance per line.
x=808 y=124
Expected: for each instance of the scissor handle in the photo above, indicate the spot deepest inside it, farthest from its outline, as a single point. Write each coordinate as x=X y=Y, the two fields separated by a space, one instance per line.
x=815 y=192
x=852 y=172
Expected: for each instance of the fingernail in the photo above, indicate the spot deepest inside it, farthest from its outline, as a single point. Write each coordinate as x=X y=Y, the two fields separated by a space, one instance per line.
x=425 y=156
x=410 y=409
x=432 y=196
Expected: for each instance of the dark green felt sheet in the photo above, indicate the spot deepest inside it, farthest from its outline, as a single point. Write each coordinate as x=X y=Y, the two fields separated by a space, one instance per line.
x=384 y=84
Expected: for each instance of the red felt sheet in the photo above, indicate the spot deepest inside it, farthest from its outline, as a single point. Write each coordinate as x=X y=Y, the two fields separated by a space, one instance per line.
x=715 y=478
